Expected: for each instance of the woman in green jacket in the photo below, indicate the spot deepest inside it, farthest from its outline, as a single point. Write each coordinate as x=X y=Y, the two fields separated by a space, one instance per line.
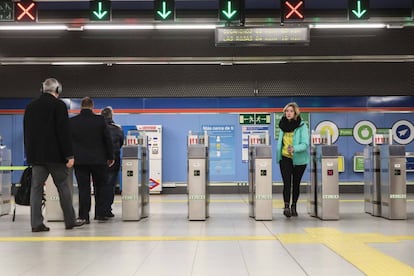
x=292 y=155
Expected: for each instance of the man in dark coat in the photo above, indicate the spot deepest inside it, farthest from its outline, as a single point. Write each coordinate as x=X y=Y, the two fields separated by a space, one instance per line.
x=117 y=136
x=48 y=150
x=93 y=154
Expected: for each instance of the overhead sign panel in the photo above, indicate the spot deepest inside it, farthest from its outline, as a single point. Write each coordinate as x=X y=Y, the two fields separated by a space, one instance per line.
x=261 y=36
x=358 y=9
x=293 y=10
x=25 y=11
x=6 y=11
x=100 y=10
x=164 y=10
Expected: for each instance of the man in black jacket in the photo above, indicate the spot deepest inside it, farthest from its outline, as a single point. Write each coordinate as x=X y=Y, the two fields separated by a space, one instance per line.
x=49 y=151
x=93 y=154
x=117 y=136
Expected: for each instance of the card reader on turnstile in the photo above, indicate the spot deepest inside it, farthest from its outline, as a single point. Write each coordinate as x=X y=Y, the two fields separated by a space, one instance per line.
x=393 y=182
x=135 y=188
x=198 y=176
x=327 y=189
x=260 y=177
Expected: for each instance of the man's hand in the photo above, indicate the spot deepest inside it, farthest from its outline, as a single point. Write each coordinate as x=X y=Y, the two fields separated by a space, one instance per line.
x=110 y=163
x=70 y=163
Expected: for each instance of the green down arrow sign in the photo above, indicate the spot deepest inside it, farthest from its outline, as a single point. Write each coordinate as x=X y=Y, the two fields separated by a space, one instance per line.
x=358 y=9
x=164 y=13
x=100 y=10
x=164 y=10
x=230 y=12
x=359 y=12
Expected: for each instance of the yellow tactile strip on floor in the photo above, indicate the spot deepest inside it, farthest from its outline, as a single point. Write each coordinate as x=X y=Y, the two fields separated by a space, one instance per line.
x=354 y=249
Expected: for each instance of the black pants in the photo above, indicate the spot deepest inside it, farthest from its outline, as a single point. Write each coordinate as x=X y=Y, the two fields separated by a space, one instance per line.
x=102 y=190
x=292 y=176
x=113 y=173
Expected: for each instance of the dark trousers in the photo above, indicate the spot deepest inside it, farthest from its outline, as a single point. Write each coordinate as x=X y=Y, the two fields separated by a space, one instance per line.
x=292 y=176
x=59 y=174
x=102 y=190
x=112 y=180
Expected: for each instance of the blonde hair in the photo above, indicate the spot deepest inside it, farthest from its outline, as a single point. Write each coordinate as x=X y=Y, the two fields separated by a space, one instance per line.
x=295 y=108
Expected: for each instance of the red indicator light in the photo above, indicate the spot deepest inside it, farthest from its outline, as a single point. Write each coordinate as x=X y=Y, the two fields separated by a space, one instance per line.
x=293 y=9
x=26 y=11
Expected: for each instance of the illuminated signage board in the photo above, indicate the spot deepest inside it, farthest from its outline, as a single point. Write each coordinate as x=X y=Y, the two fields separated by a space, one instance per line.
x=164 y=10
x=100 y=10
x=293 y=10
x=261 y=36
x=25 y=11
x=6 y=10
x=231 y=10
x=358 y=9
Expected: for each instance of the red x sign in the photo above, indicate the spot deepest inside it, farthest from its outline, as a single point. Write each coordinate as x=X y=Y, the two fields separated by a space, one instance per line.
x=294 y=9
x=25 y=11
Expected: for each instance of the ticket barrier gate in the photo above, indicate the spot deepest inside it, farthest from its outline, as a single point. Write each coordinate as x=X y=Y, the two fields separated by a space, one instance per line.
x=372 y=180
x=5 y=180
x=327 y=188
x=198 y=177
x=393 y=182
x=53 y=211
x=260 y=182
x=311 y=188
x=135 y=187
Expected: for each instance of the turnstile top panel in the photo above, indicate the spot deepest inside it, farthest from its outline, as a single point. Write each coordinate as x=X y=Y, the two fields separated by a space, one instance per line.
x=392 y=151
x=327 y=151
x=261 y=151
x=132 y=151
x=197 y=151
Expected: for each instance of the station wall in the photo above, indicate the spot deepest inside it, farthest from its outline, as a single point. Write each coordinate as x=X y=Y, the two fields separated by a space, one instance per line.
x=179 y=116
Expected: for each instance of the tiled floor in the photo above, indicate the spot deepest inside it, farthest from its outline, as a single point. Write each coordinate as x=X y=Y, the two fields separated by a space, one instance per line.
x=228 y=243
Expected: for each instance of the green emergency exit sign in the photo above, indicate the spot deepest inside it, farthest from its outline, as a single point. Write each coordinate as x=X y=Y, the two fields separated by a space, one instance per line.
x=254 y=119
x=6 y=10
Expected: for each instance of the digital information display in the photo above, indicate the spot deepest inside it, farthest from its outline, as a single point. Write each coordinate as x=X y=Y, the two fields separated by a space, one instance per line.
x=261 y=36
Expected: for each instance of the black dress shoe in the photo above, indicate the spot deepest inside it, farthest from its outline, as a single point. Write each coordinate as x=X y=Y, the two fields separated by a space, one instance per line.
x=86 y=220
x=287 y=213
x=41 y=228
x=110 y=215
x=78 y=223
x=101 y=218
x=293 y=211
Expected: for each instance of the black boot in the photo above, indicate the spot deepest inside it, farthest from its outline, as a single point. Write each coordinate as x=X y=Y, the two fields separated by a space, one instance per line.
x=286 y=211
x=293 y=210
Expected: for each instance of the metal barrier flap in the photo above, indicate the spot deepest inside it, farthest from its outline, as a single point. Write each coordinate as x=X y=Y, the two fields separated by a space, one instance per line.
x=262 y=151
x=329 y=151
x=130 y=152
x=197 y=151
x=392 y=151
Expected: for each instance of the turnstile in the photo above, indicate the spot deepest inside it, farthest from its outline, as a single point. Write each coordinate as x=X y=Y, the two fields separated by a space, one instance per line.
x=198 y=182
x=393 y=182
x=53 y=211
x=327 y=188
x=372 y=180
x=311 y=188
x=260 y=182
x=5 y=180
x=135 y=188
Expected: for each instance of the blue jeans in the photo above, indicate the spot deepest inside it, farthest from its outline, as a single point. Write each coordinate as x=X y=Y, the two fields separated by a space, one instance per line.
x=59 y=174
